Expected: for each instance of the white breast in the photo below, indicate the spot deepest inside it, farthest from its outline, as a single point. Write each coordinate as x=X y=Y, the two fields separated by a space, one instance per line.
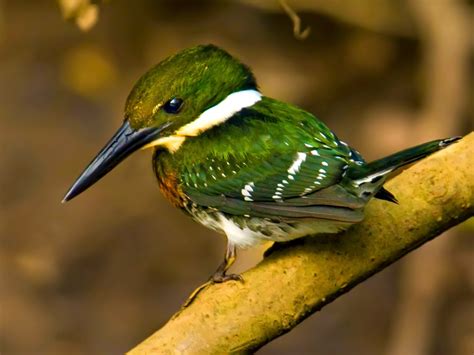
x=251 y=231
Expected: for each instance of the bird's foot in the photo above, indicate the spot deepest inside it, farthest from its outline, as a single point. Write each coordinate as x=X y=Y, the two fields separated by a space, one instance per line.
x=220 y=278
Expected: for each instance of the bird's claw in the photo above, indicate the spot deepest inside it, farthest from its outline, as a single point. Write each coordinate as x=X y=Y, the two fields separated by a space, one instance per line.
x=220 y=278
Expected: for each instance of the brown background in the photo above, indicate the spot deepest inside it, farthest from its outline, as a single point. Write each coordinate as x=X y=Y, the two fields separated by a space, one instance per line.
x=99 y=274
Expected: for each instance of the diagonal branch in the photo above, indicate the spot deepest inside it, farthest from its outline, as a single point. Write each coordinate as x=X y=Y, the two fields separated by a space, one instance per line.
x=299 y=279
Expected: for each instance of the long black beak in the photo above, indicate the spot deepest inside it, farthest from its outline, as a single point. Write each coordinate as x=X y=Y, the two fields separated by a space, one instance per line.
x=120 y=146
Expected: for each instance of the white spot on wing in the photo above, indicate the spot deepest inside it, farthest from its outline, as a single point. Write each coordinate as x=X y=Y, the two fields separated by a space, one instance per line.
x=247 y=191
x=295 y=167
x=369 y=178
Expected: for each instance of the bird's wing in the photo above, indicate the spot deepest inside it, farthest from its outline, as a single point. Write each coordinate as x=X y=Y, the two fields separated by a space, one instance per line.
x=277 y=168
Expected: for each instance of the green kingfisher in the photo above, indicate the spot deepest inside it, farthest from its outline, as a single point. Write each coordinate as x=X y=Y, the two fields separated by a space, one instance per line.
x=251 y=167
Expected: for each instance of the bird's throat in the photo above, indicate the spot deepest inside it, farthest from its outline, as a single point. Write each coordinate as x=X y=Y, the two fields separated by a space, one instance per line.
x=171 y=143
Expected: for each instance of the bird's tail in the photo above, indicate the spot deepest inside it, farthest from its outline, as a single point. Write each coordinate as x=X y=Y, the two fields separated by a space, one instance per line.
x=372 y=175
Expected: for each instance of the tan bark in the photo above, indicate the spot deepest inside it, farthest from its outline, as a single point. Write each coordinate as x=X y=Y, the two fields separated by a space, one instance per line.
x=299 y=279
x=445 y=68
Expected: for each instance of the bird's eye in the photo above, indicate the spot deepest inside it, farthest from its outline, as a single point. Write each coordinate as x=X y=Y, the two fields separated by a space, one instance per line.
x=173 y=105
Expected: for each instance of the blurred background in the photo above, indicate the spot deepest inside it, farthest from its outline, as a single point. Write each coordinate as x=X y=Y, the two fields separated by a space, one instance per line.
x=100 y=274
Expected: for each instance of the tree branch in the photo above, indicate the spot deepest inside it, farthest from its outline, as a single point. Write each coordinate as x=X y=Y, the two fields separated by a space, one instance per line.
x=299 y=279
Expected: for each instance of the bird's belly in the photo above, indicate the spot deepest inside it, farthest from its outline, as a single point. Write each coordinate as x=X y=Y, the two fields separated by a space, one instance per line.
x=246 y=232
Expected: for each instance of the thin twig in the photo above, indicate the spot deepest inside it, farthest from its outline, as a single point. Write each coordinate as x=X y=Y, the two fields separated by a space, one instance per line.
x=301 y=35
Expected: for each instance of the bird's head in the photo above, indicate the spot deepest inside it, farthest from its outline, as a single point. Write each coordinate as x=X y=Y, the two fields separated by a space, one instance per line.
x=179 y=98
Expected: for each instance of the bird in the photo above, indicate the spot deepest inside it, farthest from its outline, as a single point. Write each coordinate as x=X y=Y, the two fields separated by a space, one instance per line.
x=248 y=166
